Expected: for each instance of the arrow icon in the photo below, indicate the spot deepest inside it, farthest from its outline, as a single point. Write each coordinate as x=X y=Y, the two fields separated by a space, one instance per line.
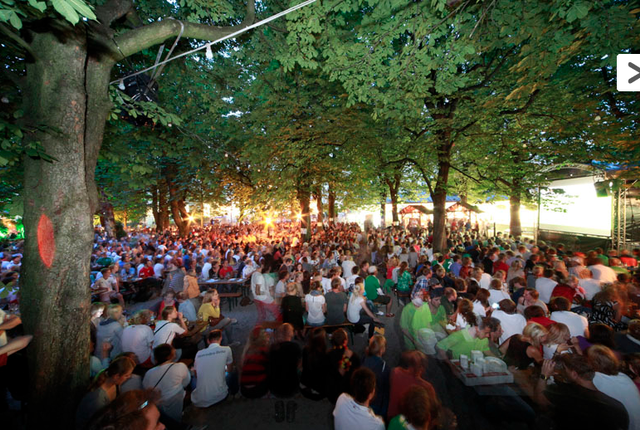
x=637 y=76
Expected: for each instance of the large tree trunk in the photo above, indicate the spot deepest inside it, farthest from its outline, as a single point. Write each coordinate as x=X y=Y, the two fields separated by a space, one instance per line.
x=383 y=209
x=515 y=227
x=439 y=198
x=64 y=88
x=394 y=188
x=304 y=197
x=332 y=205
x=318 y=194
x=160 y=208
x=107 y=216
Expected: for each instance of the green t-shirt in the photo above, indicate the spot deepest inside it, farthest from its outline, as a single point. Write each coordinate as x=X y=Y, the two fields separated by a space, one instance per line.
x=399 y=422
x=404 y=282
x=421 y=319
x=104 y=261
x=619 y=269
x=371 y=285
x=405 y=323
x=440 y=318
x=604 y=259
x=447 y=264
x=462 y=342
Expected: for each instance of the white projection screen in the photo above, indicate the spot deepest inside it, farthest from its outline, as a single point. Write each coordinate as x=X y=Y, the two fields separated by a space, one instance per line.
x=572 y=206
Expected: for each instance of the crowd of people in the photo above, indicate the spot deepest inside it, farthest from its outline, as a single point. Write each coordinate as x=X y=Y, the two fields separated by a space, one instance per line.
x=565 y=322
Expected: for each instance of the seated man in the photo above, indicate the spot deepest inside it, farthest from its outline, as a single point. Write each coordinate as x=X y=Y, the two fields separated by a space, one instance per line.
x=578 y=325
x=103 y=287
x=373 y=291
x=336 y=302
x=210 y=367
x=510 y=321
x=354 y=413
x=472 y=338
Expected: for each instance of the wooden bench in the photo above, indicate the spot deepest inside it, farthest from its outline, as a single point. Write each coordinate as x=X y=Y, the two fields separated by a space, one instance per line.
x=232 y=298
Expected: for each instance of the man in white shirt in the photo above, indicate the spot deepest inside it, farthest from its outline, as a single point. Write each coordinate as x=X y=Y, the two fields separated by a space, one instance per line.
x=138 y=338
x=483 y=279
x=590 y=286
x=511 y=322
x=545 y=285
x=262 y=296
x=158 y=268
x=166 y=330
x=206 y=269
x=211 y=367
x=603 y=274
x=348 y=265
x=577 y=324
x=169 y=379
x=354 y=413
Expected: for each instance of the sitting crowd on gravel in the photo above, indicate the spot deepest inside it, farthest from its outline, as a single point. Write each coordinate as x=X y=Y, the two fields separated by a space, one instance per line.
x=564 y=322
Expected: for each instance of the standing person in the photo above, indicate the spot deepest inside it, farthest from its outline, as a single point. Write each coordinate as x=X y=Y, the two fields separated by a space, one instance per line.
x=374 y=361
x=284 y=362
x=354 y=413
x=315 y=305
x=412 y=366
x=262 y=296
x=313 y=379
x=170 y=379
x=342 y=363
x=213 y=368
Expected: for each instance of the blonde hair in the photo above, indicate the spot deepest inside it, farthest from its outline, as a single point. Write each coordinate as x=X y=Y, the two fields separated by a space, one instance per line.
x=208 y=296
x=377 y=344
x=114 y=311
x=536 y=332
x=292 y=289
x=557 y=334
x=537 y=270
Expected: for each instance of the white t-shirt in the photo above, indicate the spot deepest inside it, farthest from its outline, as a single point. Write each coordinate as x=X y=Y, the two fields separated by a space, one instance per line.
x=495 y=296
x=603 y=274
x=326 y=284
x=621 y=388
x=206 y=271
x=577 y=324
x=347 y=267
x=165 y=331
x=280 y=288
x=3 y=336
x=511 y=324
x=478 y=309
x=258 y=278
x=354 y=308
x=157 y=270
x=591 y=287
x=545 y=287
x=171 y=386
x=138 y=339
x=349 y=415
x=316 y=316
x=485 y=281
x=210 y=365
x=351 y=282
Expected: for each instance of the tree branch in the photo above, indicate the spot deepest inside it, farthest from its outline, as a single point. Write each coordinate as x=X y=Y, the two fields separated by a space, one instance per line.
x=522 y=109
x=112 y=11
x=149 y=35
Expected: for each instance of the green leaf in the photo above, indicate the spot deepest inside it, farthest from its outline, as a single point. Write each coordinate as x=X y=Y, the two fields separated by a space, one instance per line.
x=66 y=10
x=40 y=5
x=82 y=8
x=15 y=21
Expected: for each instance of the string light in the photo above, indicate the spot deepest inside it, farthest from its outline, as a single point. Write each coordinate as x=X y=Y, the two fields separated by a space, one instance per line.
x=121 y=85
x=209 y=54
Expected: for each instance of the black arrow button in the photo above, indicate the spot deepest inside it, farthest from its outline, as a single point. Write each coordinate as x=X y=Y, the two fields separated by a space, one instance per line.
x=636 y=77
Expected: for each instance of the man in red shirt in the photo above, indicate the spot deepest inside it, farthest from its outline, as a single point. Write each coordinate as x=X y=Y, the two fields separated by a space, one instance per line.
x=501 y=263
x=147 y=270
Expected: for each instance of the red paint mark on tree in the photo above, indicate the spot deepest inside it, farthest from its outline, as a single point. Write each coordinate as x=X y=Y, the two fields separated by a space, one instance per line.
x=46 y=242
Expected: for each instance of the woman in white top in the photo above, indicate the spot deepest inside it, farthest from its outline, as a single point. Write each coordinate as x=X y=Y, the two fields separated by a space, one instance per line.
x=315 y=304
x=557 y=341
x=481 y=305
x=496 y=294
x=357 y=310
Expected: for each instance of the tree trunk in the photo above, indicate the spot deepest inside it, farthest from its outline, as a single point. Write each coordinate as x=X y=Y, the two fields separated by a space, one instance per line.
x=332 y=206
x=394 y=188
x=319 y=205
x=107 y=217
x=439 y=197
x=304 y=197
x=383 y=209
x=515 y=227
x=64 y=87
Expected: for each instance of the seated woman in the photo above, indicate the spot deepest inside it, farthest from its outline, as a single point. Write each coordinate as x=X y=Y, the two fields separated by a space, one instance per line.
x=523 y=350
x=110 y=330
x=557 y=341
x=315 y=305
x=357 y=310
x=132 y=410
x=342 y=362
x=103 y=389
x=314 y=365
x=210 y=311
x=465 y=315
x=607 y=308
x=292 y=309
x=255 y=360
x=168 y=299
x=404 y=278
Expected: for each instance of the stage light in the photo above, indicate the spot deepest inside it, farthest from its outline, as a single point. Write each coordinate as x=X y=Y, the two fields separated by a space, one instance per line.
x=267 y=220
x=190 y=218
x=299 y=216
